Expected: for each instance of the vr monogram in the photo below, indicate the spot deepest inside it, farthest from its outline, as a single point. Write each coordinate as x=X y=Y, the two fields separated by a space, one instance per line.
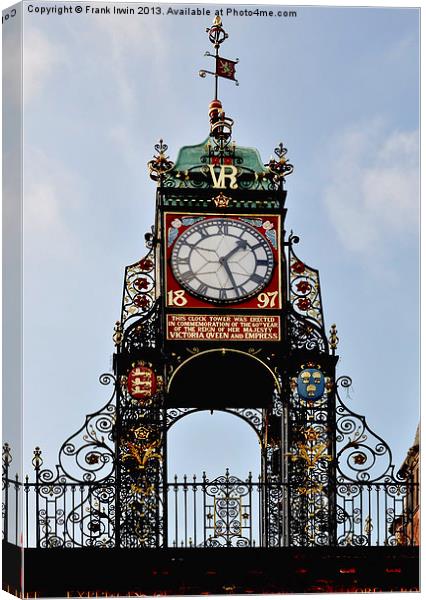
x=226 y=172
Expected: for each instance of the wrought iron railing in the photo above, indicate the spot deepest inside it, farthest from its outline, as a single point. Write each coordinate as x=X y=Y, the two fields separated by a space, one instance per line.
x=350 y=496
x=224 y=512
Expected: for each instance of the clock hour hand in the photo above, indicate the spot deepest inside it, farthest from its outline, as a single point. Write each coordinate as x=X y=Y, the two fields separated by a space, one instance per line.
x=241 y=245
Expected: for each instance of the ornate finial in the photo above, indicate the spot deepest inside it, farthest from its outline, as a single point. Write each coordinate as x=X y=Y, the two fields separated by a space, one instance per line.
x=37 y=460
x=221 y=200
x=117 y=337
x=220 y=125
x=280 y=168
x=224 y=66
x=333 y=339
x=161 y=163
x=7 y=456
x=217 y=34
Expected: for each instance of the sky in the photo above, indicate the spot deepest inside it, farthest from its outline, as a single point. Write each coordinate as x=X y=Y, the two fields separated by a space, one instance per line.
x=339 y=87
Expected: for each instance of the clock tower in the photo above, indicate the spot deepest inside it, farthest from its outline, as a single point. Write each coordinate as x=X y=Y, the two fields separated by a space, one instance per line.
x=222 y=315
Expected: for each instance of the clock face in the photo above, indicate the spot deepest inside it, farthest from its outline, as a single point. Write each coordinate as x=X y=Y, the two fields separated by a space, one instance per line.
x=222 y=260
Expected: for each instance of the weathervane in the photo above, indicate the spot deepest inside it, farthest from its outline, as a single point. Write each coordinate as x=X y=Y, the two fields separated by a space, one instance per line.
x=224 y=66
x=220 y=124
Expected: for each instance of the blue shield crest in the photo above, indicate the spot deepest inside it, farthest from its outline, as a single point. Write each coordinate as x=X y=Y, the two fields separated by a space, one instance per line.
x=310 y=384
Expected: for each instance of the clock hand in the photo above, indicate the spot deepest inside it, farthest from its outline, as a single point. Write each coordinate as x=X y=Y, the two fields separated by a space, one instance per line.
x=229 y=273
x=241 y=245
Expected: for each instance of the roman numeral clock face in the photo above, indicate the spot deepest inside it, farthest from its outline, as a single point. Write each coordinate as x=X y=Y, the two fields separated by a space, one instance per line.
x=222 y=260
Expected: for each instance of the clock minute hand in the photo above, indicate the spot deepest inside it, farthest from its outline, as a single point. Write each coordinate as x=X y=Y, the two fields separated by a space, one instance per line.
x=229 y=273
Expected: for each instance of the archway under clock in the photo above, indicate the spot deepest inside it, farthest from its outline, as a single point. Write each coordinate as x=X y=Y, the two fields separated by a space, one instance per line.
x=222 y=378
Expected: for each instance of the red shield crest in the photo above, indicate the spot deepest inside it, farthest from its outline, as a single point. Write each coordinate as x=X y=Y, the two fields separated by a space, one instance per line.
x=141 y=382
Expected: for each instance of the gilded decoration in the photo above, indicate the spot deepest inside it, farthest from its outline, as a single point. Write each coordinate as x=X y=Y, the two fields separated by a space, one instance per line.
x=333 y=339
x=141 y=451
x=311 y=453
x=221 y=201
x=161 y=163
x=279 y=167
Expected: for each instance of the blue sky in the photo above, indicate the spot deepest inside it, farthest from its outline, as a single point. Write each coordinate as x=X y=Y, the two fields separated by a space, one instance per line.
x=340 y=88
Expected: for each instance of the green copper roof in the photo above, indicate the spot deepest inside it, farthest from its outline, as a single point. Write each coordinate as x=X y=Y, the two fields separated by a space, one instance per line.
x=190 y=156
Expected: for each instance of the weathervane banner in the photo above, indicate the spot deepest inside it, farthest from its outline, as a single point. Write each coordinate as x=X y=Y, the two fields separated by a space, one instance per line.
x=225 y=68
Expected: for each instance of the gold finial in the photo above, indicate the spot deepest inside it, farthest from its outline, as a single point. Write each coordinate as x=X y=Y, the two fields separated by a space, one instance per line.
x=161 y=163
x=37 y=460
x=220 y=125
x=333 y=339
x=279 y=167
x=117 y=337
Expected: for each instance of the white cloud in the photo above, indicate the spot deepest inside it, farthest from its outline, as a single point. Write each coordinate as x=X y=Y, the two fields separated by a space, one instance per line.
x=373 y=190
x=41 y=57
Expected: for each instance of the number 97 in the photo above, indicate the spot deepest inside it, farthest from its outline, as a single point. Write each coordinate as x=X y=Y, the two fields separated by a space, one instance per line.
x=267 y=299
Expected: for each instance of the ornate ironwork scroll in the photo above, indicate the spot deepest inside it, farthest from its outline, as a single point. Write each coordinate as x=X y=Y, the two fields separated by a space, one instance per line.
x=305 y=291
x=304 y=335
x=88 y=455
x=143 y=334
x=363 y=456
x=252 y=416
x=199 y=178
x=75 y=515
x=369 y=492
x=75 y=502
x=227 y=515
x=139 y=293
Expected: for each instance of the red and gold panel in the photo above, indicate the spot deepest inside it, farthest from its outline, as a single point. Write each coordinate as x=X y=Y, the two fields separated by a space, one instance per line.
x=223 y=261
x=230 y=327
x=141 y=381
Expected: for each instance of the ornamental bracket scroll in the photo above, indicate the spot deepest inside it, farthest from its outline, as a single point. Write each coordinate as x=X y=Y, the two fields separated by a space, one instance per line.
x=139 y=291
x=363 y=456
x=88 y=455
x=304 y=287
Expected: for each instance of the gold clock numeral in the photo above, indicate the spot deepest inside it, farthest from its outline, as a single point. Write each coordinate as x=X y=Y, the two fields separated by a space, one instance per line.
x=176 y=298
x=267 y=299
